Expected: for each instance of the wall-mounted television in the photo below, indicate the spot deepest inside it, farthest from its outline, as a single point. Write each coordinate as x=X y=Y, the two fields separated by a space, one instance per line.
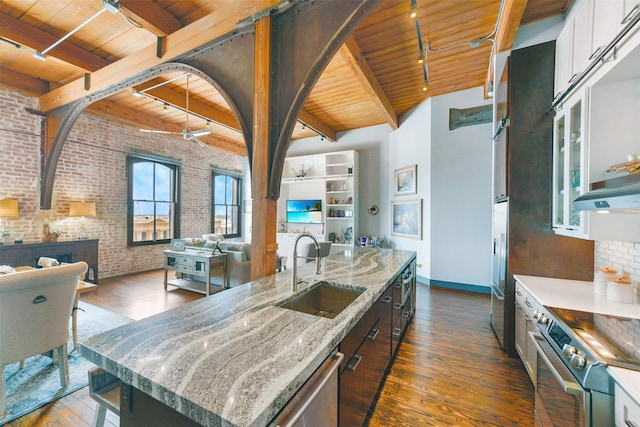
x=304 y=211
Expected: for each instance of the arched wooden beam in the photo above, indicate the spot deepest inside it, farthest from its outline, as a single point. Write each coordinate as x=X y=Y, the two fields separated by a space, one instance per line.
x=61 y=121
x=304 y=40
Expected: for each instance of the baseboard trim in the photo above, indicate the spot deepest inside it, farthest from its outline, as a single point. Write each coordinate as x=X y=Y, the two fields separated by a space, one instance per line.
x=457 y=286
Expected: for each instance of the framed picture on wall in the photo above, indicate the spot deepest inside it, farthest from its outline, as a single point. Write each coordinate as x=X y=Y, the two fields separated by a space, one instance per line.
x=406 y=218
x=406 y=180
x=177 y=245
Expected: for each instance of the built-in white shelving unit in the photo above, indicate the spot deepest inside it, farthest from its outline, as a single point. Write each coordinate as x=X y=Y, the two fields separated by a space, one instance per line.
x=331 y=177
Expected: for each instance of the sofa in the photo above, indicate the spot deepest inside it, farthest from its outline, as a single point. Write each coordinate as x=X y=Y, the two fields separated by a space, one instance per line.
x=238 y=258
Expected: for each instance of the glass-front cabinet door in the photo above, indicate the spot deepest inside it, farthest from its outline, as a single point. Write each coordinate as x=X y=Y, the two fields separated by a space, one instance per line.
x=568 y=166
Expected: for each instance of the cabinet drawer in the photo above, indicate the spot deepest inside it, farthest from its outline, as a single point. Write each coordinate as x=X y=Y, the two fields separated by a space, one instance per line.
x=185 y=268
x=627 y=410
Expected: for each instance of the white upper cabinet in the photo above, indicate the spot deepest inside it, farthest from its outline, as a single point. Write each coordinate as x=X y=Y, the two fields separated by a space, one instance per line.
x=582 y=30
x=564 y=55
x=597 y=123
x=607 y=22
x=590 y=26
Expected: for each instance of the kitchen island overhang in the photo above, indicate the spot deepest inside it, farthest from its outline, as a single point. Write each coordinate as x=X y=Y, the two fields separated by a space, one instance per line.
x=235 y=358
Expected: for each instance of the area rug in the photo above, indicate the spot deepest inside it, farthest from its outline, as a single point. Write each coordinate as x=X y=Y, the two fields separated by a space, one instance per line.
x=39 y=382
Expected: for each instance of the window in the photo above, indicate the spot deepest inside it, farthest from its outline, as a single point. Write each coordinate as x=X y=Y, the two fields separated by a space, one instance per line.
x=152 y=201
x=226 y=198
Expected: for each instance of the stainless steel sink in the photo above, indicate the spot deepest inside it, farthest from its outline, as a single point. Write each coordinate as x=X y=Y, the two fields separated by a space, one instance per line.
x=323 y=299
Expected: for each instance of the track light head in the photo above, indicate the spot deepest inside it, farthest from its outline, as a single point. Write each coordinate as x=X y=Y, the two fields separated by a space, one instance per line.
x=413 y=11
x=421 y=58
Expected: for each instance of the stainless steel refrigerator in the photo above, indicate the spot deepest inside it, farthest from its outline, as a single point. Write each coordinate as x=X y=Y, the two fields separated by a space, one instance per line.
x=499 y=268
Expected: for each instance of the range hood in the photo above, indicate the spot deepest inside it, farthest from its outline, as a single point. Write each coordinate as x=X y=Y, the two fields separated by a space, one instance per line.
x=625 y=197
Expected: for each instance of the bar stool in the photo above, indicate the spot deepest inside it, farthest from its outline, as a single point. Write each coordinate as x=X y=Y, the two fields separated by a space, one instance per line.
x=104 y=388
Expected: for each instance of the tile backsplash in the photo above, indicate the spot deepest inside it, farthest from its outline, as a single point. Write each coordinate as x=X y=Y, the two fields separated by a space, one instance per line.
x=623 y=256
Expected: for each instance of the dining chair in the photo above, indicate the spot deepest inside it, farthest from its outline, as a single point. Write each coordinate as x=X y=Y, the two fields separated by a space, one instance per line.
x=34 y=316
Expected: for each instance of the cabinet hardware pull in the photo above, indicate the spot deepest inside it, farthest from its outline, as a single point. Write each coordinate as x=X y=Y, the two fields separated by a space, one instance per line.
x=375 y=334
x=405 y=314
x=39 y=299
x=528 y=303
x=397 y=306
x=358 y=359
x=386 y=300
x=595 y=53
x=573 y=77
x=397 y=332
x=630 y=423
x=518 y=292
x=397 y=285
x=631 y=14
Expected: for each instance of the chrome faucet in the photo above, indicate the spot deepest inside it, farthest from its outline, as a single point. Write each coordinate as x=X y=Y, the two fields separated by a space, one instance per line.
x=294 y=273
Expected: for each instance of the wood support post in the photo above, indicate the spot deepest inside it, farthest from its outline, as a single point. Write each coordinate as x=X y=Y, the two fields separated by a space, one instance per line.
x=263 y=235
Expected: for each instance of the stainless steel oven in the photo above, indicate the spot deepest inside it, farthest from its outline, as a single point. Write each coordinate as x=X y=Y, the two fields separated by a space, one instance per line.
x=573 y=387
x=560 y=400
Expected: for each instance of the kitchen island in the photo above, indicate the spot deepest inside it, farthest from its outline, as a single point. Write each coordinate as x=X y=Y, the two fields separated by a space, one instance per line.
x=235 y=358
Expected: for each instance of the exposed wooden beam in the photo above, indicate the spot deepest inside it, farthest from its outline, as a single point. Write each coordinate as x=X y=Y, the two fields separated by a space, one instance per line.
x=352 y=55
x=137 y=119
x=509 y=23
x=211 y=27
x=36 y=39
x=312 y=122
x=22 y=83
x=150 y=16
x=166 y=94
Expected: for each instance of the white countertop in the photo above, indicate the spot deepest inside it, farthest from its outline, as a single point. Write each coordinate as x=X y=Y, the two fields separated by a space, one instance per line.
x=580 y=295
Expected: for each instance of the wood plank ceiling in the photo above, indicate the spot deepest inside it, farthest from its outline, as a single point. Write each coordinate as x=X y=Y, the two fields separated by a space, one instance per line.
x=373 y=79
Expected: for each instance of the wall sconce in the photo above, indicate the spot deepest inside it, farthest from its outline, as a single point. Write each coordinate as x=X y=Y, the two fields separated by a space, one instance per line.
x=82 y=209
x=8 y=209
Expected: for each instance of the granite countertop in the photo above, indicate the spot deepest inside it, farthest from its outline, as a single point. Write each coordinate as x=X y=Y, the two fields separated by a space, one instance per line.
x=234 y=358
x=580 y=295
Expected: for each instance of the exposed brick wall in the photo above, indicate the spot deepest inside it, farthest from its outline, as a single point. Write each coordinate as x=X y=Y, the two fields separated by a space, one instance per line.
x=623 y=256
x=92 y=168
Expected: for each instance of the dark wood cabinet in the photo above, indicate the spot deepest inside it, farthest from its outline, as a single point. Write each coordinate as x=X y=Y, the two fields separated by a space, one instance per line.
x=369 y=348
x=67 y=251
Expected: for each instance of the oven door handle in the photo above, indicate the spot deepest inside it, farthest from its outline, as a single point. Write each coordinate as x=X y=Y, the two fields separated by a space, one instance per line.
x=569 y=387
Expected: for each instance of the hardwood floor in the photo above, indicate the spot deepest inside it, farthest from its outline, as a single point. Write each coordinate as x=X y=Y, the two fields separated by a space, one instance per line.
x=449 y=370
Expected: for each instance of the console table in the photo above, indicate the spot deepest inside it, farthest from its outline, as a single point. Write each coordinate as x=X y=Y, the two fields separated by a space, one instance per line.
x=190 y=265
x=28 y=253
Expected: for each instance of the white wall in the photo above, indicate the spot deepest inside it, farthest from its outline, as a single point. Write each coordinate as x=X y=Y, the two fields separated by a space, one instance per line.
x=409 y=145
x=461 y=193
x=454 y=183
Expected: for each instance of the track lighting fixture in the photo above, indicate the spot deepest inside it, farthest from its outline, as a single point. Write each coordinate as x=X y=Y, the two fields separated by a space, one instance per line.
x=413 y=11
x=422 y=57
x=112 y=6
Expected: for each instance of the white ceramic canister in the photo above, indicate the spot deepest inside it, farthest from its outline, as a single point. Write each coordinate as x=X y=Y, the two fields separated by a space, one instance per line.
x=601 y=277
x=620 y=290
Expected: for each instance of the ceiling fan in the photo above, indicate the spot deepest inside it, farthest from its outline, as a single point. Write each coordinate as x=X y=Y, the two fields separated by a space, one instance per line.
x=187 y=134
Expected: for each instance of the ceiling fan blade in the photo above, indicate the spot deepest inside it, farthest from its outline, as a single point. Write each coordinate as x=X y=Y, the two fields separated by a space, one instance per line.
x=197 y=141
x=202 y=132
x=160 y=131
